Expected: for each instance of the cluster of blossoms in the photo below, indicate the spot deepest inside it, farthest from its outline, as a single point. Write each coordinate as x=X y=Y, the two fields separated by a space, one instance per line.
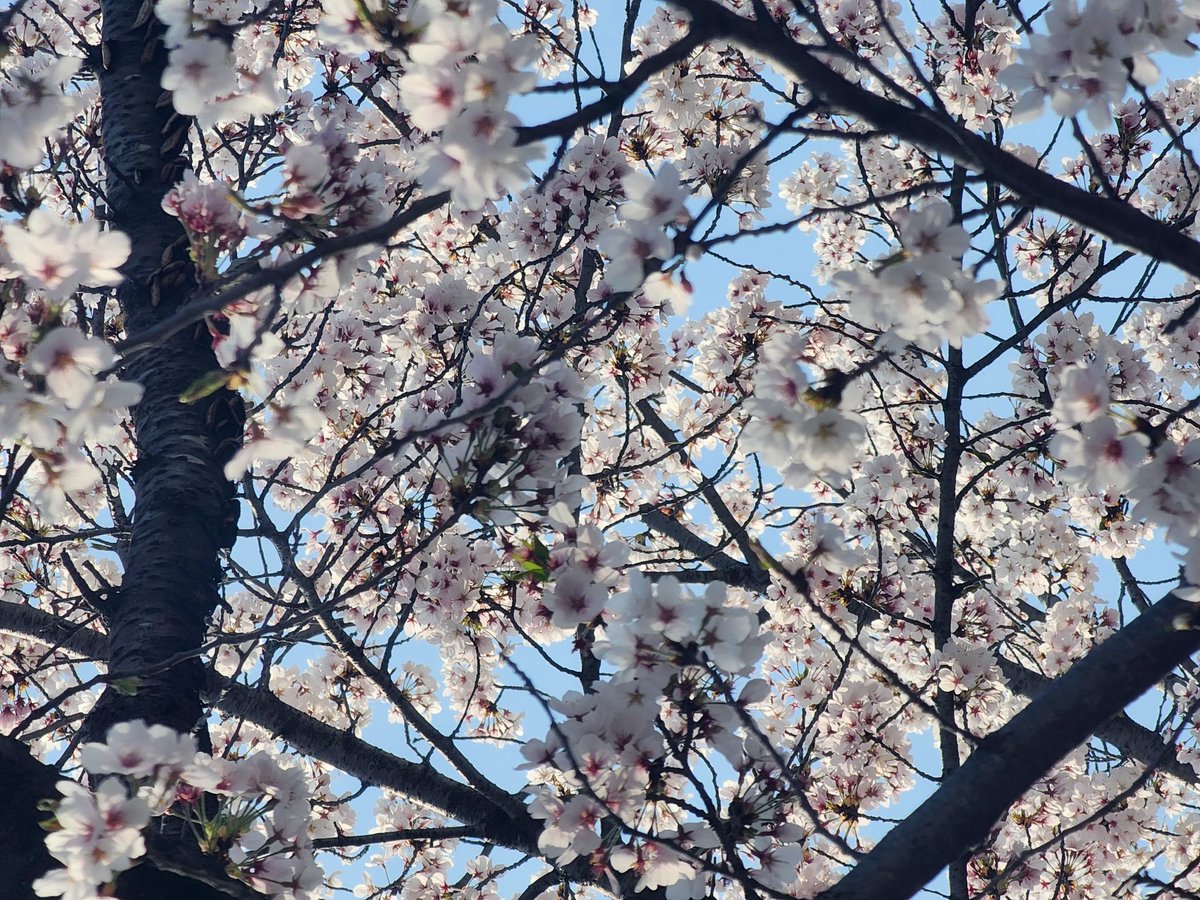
x=63 y=400
x=1088 y=56
x=55 y=393
x=215 y=223
x=794 y=426
x=1125 y=451
x=651 y=203
x=522 y=424
x=251 y=810
x=659 y=622
x=970 y=69
x=34 y=105
x=1101 y=451
x=57 y=257
x=673 y=654
x=203 y=73
x=581 y=568
x=327 y=178
x=463 y=68
x=921 y=293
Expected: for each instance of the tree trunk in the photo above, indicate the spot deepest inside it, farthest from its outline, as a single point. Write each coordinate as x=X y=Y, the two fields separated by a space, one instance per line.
x=25 y=783
x=182 y=498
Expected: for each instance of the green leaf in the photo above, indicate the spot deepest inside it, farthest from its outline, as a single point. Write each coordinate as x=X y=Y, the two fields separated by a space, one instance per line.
x=533 y=559
x=126 y=687
x=206 y=384
x=536 y=571
x=538 y=551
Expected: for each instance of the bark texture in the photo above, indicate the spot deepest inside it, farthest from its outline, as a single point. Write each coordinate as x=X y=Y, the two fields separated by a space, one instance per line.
x=24 y=783
x=183 y=503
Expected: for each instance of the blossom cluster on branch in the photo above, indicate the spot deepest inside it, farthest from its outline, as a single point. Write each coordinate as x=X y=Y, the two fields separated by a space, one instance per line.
x=250 y=811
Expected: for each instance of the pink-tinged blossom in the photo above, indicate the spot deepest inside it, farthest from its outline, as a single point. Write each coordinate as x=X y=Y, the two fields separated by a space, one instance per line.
x=570 y=830
x=34 y=105
x=200 y=70
x=347 y=24
x=674 y=294
x=655 y=865
x=205 y=82
x=98 y=834
x=922 y=295
x=1167 y=490
x=207 y=211
x=1100 y=454
x=652 y=203
x=1082 y=394
x=930 y=233
x=138 y=750
x=651 y=612
x=628 y=248
x=574 y=598
x=61 y=883
x=58 y=256
x=477 y=158
x=793 y=427
x=305 y=172
x=69 y=361
x=61 y=472
x=654 y=200
x=961 y=666
x=1084 y=58
x=432 y=97
x=829 y=441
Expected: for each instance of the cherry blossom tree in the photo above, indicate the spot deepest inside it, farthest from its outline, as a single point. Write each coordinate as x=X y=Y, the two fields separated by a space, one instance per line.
x=564 y=448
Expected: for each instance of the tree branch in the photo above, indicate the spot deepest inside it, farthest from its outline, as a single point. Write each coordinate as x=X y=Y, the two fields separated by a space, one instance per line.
x=1008 y=762
x=937 y=132
x=1132 y=739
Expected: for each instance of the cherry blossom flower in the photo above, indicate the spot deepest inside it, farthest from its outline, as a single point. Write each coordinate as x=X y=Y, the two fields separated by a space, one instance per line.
x=70 y=360
x=433 y=97
x=570 y=830
x=1099 y=455
x=1085 y=57
x=34 y=105
x=348 y=24
x=655 y=865
x=97 y=835
x=61 y=472
x=651 y=203
x=656 y=200
x=1082 y=395
x=205 y=82
x=291 y=424
x=629 y=247
x=207 y=210
x=138 y=750
x=477 y=157
x=59 y=256
x=922 y=293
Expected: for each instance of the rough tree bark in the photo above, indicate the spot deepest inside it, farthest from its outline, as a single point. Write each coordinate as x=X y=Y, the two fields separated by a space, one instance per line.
x=183 y=502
